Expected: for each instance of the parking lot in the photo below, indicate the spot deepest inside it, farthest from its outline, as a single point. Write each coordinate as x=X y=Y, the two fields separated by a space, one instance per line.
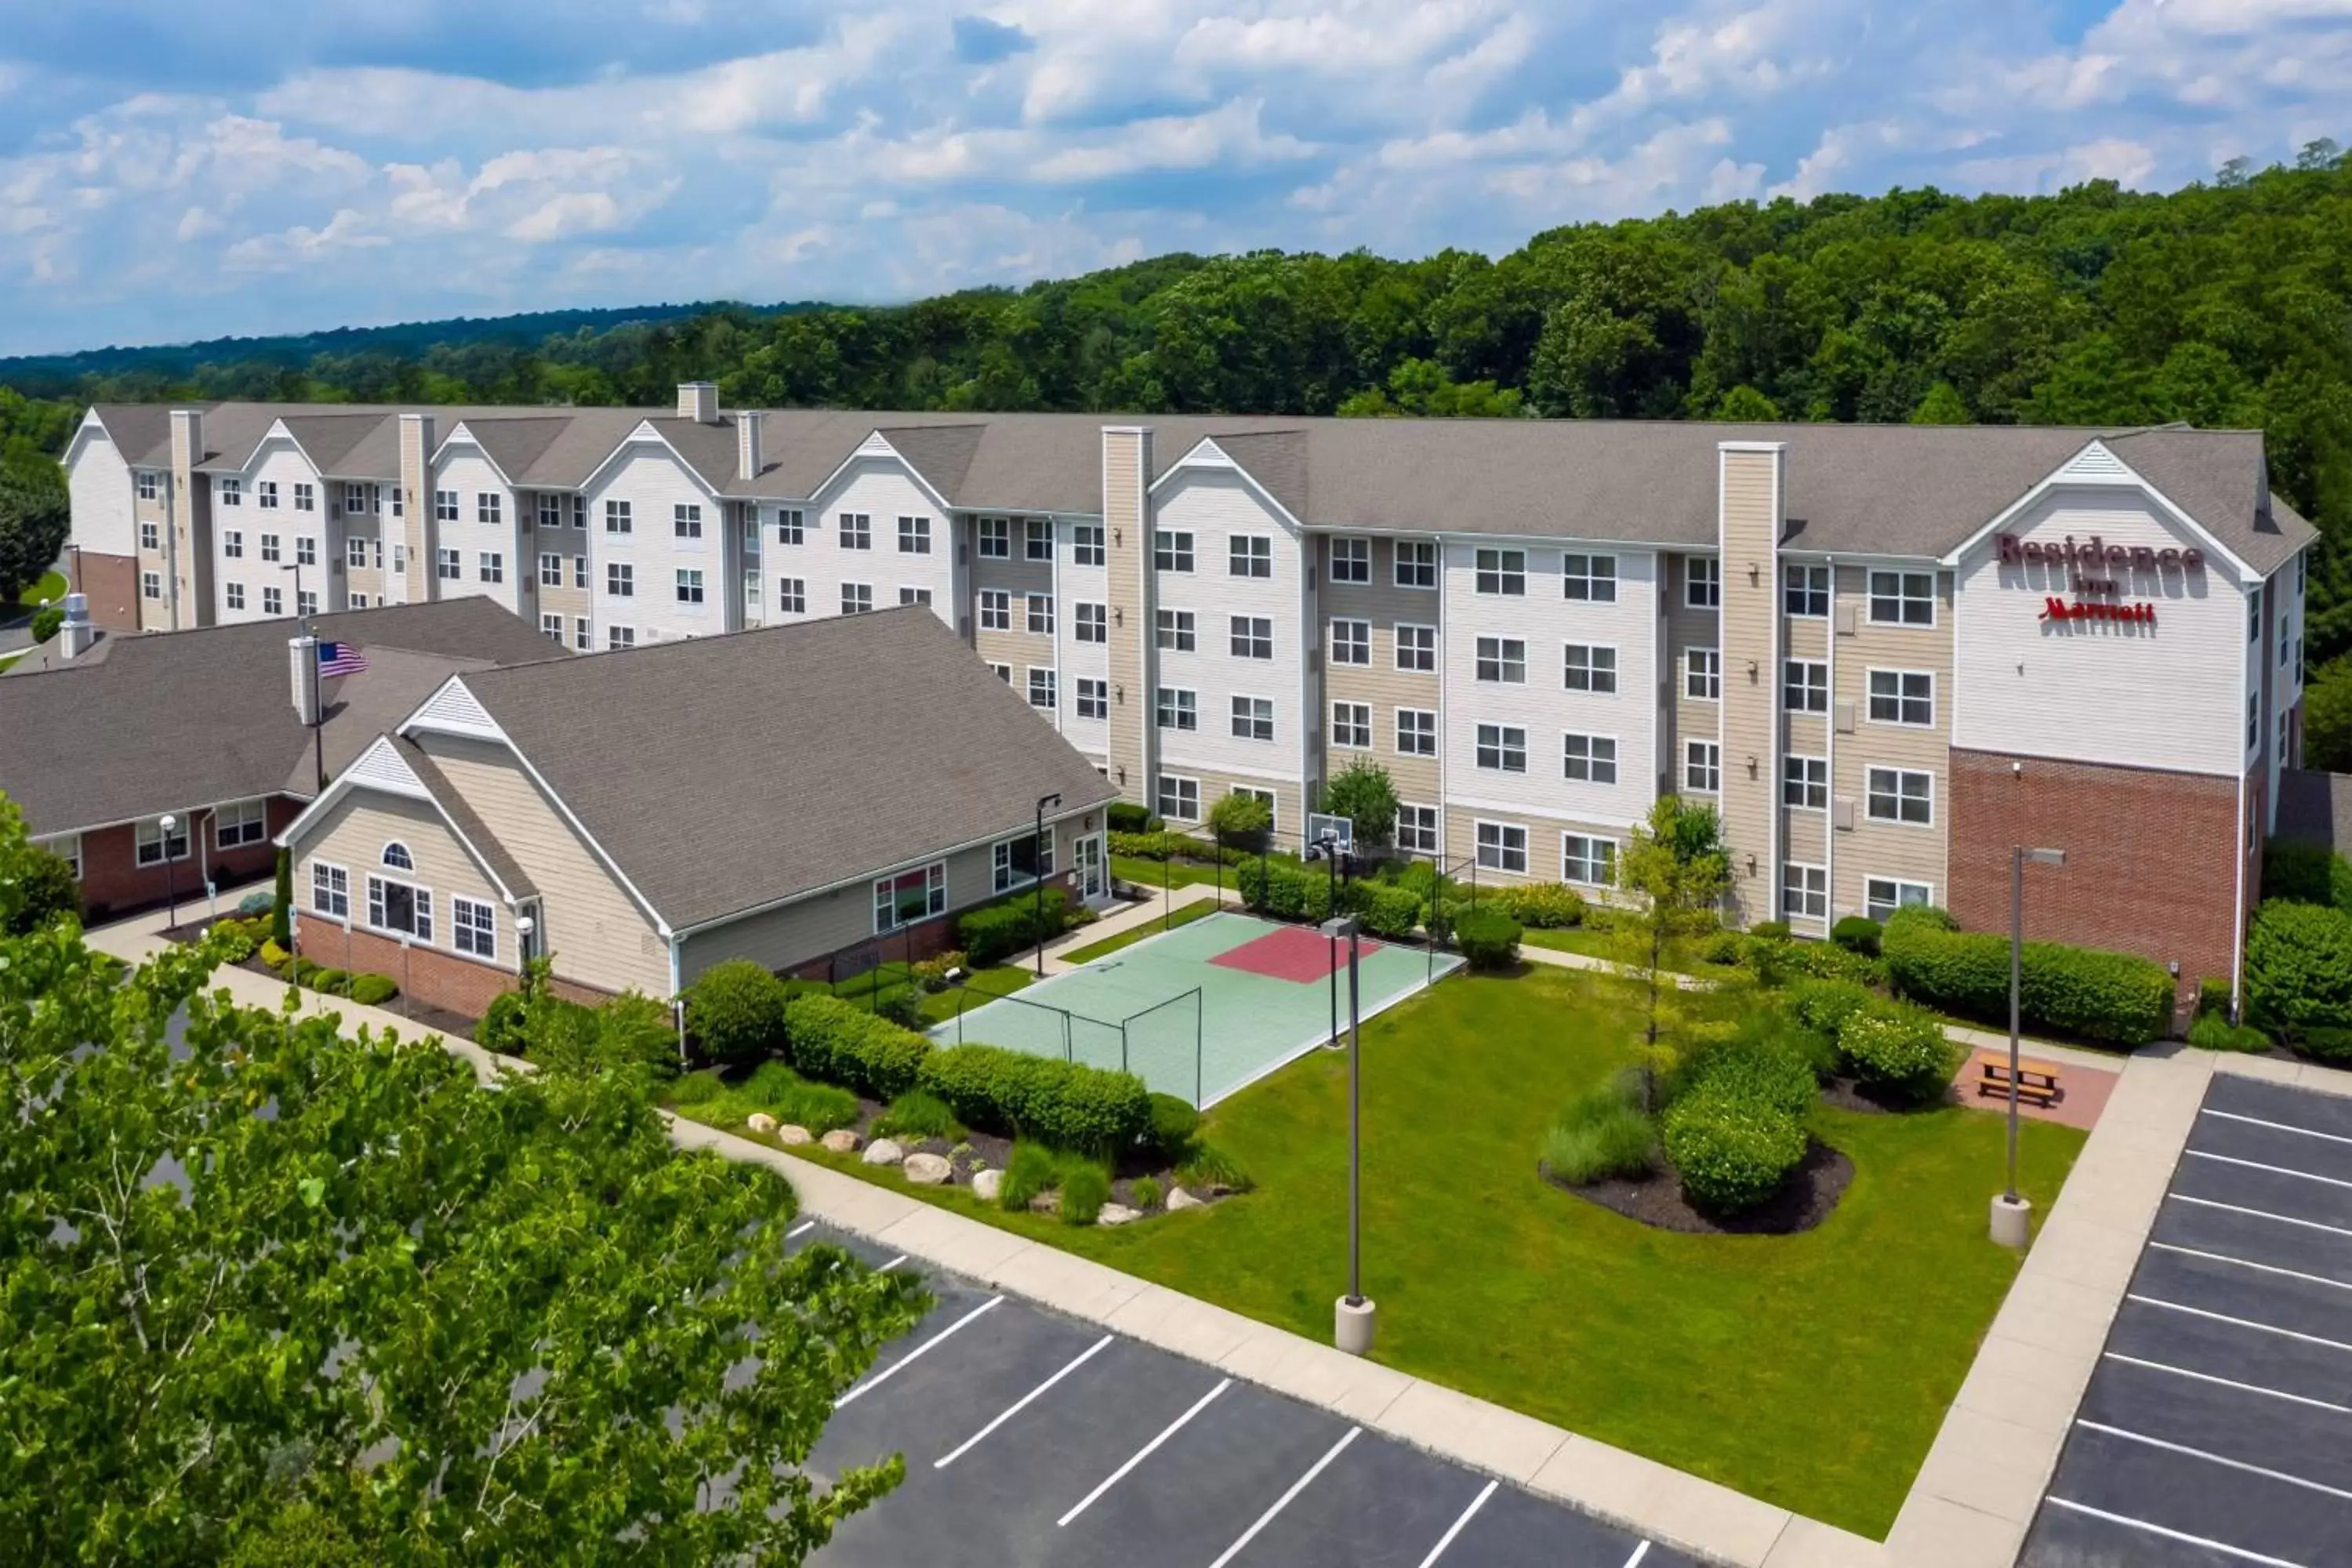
x=2218 y=1427
x=1034 y=1439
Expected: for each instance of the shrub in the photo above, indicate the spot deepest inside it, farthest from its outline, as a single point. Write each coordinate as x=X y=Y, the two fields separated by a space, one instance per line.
x=2327 y=1043
x=1489 y=938
x=1157 y=845
x=501 y=1029
x=630 y=1036
x=918 y=1113
x=1900 y=1050
x=1599 y=1134
x=1174 y=1125
x=1857 y=933
x=1385 y=909
x=333 y=981
x=1288 y=891
x=902 y=1006
x=1240 y=820
x=696 y=1089
x=373 y=990
x=1068 y=1105
x=1030 y=1170
x=931 y=973
x=1762 y=1063
x=281 y=903
x=1146 y=1191
x=735 y=1011
x=830 y=1039
x=1826 y=1004
x=795 y=1101
x=237 y=942
x=1770 y=930
x=1210 y=1167
x=2073 y=991
x=45 y=622
x=258 y=902
x=304 y=971
x=992 y=932
x=2306 y=874
x=273 y=954
x=1730 y=1154
x=2214 y=1032
x=46 y=888
x=1547 y=906
x=1086 y=1187
x=2299 y=967
x=1827 y=960
x=2213 y=994
x=1126 y=817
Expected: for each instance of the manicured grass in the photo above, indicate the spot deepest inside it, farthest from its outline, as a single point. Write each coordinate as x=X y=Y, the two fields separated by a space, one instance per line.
x=1812 y=1371
x=9 y=659
x=52 y=586
x=1680 y=956
x=936 y=1006
x=1166 y=873
x=1111 y=945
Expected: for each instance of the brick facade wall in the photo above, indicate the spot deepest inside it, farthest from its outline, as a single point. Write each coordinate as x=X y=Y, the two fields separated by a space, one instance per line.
x=433 y=977
x=112 y=581
x=114 y=884
x=2151 y=858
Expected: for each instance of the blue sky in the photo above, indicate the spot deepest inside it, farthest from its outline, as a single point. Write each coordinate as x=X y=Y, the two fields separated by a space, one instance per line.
x=171 y=172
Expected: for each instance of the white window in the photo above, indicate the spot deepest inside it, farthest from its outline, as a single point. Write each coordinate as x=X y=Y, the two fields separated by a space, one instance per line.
x=580 y=571
x=1903 y=598
x=1902 y=697
x=398 y=504
x=1253 y=718
x=1416 y=647
x=1502 y=846
x=355 y=601
x=581 y=639
x=1703 y=583
x=448 y=564
x=1351 y=642
x=620 y=637
x=1589 y=759
x=265 y=495
x=1702 y=767
x=1352 y=725
x=910 y=897
x=1016 y=861
x=1087 y=544
x=1038 y=538
x=1041 y=614
x=1501 y=571
x=1503 y=659
x=620 y=579
x=401 y=908
x=1416 y=564
x=1901 y=794
x=1177 y=709
x=233 y=544
x=751 y=592
x=486 y=505
x=150 y=584
x=1351 y=561
x=306 y=549
x=550 y=511
x=396 y=856
x=1174 y=631
x=551 y=570
x=792 y=597
x=995 y=538
x=1805 y=590
x=269 y=548
x=1179 y=799
x=915 y=596
x=1805 y=686
x=1416 y=830
x=1251 y=555
x=305 y=602
x=246 y=822
x=856 y=530
x=1503 y=748
x=1253 y=637
x=1588 y=860
x=445 y=506
x=1094 y=698
x=686 y=520
x=1591 y=669
x=1003 y=672
x=232 y=493
x=790 y=529
x=1804 y=891
x=331 y=890
x=914 y=536
x=856 y=598
x=995 y=610
x=1882 y=895
x=151 y=535
x=305 y=496
x=551 y=627
x=1703 y=674
x=1416 y=733
x=475 y=928
x=1805 y=782
x=147 y=487
x=1590 y=577
x=1172 y=550
x=493 y=566
x=151 y=848
x=273 y=600
x=2253 y=717
x=689 y=586
x=232 y=594
x=617 y=519
x=1042 y=693
x=355 y=551
x=1091 y=621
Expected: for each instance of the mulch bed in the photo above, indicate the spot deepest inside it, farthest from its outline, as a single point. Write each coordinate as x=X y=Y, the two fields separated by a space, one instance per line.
x=416 y=1012
x=1804 y=1200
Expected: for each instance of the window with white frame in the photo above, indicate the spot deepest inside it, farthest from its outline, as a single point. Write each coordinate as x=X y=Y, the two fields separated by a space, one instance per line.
x=306 y=549
x=1805 y=686
x=232 y=493
x=1352 y=725
x=1250 y=555
x=580 y=571
x=1178 y=799
x=269 y=548
x=1028 y=859
x=1253 y=718
x=915 y=596
x=1587 y=859
x=620 y=579
x=233 y=544
x=1502 y=748
x=1703 y=674
x=686 y=520
x=399 y=504
x=1003 y=672
x=1591 y=578
x=1702 y=767
x=1351 y=561
x=1882 y=895
x=791 y=595
x=689 y=585
x=305 y=602
x=446 y=506
x=1903 y=598
x=1351 y=642
x=473 y=928
x=147 y=485
x=551 y=570
x=1902 y=697
x=152 y=847
x=856 y=530
x=910 y=897
x=273 y=600
x=914 y=536
x=240 y=823
x=1038 y=534
x=790 y=527
x=617 y=519
x=264 y=496
x=1416 y=564
x=1503 y=661
x=1087 y=544
x=620 y=637
x=355 y=549
x=396 y=856
x=1172 y=550
x=1174 y=631
x=1416 y=830
x=1094 y=698
x=492 y=566
x=995 y=610
x=1416 y=732
x=1042 y=691
x=1416 y=647
x=1253 y=637
x=1805 y=782
x=1041 y=614
x=1090 y=623
x=1805 y=590
x=856 y=598
x=232 y=594
x=331 y=890
x=579 y=510
x=2253 y=720
x=1590 y=667
x=355 y=601
x=551 y=627
x=486 y=505
x=1703 y=583
x=1901 y=794
x=1589 y=759
x=1503 y=847
x=151 y=535
x=1500 y=572
x=550 y=511
x=581 y=639
x=1175 y=708
x=995 y=538
x=400 y=907
x=1804 y=891
x=305 y=496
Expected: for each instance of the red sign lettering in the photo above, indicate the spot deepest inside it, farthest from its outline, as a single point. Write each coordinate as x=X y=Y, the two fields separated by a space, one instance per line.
x=2057 y=609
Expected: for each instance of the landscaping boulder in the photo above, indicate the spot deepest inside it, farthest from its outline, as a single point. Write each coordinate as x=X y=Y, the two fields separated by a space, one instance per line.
x=1178 y=1198
x=987 y=1185
x=759 y=1122
x=841 y=1140
x=923 y=1170
x=883 y=1152
x=790 y=1135
x=1117 y=1214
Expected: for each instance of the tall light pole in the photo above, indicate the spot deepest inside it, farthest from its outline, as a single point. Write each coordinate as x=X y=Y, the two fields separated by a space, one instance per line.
x=1353 y=1316
x=1326 y=848
x=171 y=888
x=1037 y=869
x=2010 y=1212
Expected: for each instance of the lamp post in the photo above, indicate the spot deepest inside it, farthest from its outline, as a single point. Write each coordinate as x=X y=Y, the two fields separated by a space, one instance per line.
x=1326 y=848
x=171 y=888
x=1038 y=869
x=1353 y=1316
x=2010 y=1212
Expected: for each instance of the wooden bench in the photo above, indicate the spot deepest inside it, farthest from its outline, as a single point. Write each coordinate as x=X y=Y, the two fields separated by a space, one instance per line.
x=2037 y=1082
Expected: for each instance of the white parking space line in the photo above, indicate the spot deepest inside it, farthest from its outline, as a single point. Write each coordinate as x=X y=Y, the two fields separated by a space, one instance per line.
x=896 y=1367
x=1455 y=1529
x=1639 y=1553
x=800 y=1230
x=2258 y=1214
x=2273 y=1170
x=2228 y=1382
x=1143 y=1453
x=2277 y=1126
x=1018 y=1405
x=2212 y=1458
x=2248 y=1263
x=892 y=1264
x=2238 y=1322
x=1284 y=1501
x=2239 y=1552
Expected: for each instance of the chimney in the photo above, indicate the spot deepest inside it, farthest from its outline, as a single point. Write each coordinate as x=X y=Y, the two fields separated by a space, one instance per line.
x=77 y=635
x=302 y=671
x=698 y=401
x=747 y=443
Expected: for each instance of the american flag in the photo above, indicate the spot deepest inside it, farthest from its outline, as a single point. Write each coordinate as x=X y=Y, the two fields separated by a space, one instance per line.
x=337 y=659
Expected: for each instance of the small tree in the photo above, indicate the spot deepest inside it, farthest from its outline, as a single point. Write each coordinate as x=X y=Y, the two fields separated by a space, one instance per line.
x=281 y=909
x=1365 y=795
x=736 y=1011
x=1671 y=872
x=44 y=889
x=1240 y=820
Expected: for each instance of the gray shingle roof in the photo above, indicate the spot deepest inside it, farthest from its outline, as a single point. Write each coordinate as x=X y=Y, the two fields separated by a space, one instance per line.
x=727 y=773
x=180 y=720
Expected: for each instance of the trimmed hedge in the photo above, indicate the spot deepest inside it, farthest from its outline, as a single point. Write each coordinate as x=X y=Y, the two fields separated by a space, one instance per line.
x=1385 y=909
x=735 y=1011
x=1546 y=906
x=2306 y=874
x=1175 y=1125
x=1288 y=891
x=1857 y=933
x=1489 y=938
x=501 y=1029
x=373 y=990
x=1824 y=1005
x=830 y=1039
x=993 y=933
x=1126 y=817
x=2299 y=967
x=1731 y=1154
x=1900 y=1050
x=2072 y=991
x=1067 y=1104
x=2328 y=1044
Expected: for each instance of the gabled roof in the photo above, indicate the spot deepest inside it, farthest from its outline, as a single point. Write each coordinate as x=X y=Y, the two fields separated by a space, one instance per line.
x=514 y=445
x=329 y=439
x=941 y=454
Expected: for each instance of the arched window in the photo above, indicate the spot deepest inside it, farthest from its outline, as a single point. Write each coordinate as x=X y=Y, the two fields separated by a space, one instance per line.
x=396 y=856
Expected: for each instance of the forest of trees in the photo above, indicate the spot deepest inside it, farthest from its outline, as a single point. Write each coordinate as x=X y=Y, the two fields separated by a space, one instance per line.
x=2226 y=303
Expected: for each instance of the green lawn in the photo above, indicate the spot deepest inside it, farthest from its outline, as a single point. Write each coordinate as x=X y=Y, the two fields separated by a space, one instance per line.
x=1681 y=956
x=936 y=1006
x=1812 y=1371
x=1111 y=945
x=52 y=586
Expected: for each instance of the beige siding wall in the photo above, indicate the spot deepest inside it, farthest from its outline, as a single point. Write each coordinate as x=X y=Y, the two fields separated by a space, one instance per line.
x=1685 y=628
x=599 y=935
x=413 y=530
x=1544 y=843
x=1289 y=800
x=352 y=835
x=1380 y=685
x=1127 y=543
x=1751 y=491
x=1880 y=849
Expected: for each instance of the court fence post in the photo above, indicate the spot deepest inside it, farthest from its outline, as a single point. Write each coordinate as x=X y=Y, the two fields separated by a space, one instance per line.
x=1198 y=999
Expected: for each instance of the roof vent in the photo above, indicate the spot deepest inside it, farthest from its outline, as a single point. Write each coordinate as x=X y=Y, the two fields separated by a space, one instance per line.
x=76 y=634
x=302 y=671
x=698 y=401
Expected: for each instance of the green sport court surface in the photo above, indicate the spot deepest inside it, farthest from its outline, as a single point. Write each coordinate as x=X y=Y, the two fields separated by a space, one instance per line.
x=1165 y=1009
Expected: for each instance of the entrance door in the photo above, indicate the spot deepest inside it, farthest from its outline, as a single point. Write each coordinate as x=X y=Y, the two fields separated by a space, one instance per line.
x=1091 y=881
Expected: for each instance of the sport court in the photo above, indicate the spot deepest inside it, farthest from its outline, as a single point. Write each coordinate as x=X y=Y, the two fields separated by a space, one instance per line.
x=1201 y=1011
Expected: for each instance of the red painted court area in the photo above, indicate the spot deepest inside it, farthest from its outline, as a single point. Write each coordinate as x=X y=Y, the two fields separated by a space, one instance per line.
x=1294 y=952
